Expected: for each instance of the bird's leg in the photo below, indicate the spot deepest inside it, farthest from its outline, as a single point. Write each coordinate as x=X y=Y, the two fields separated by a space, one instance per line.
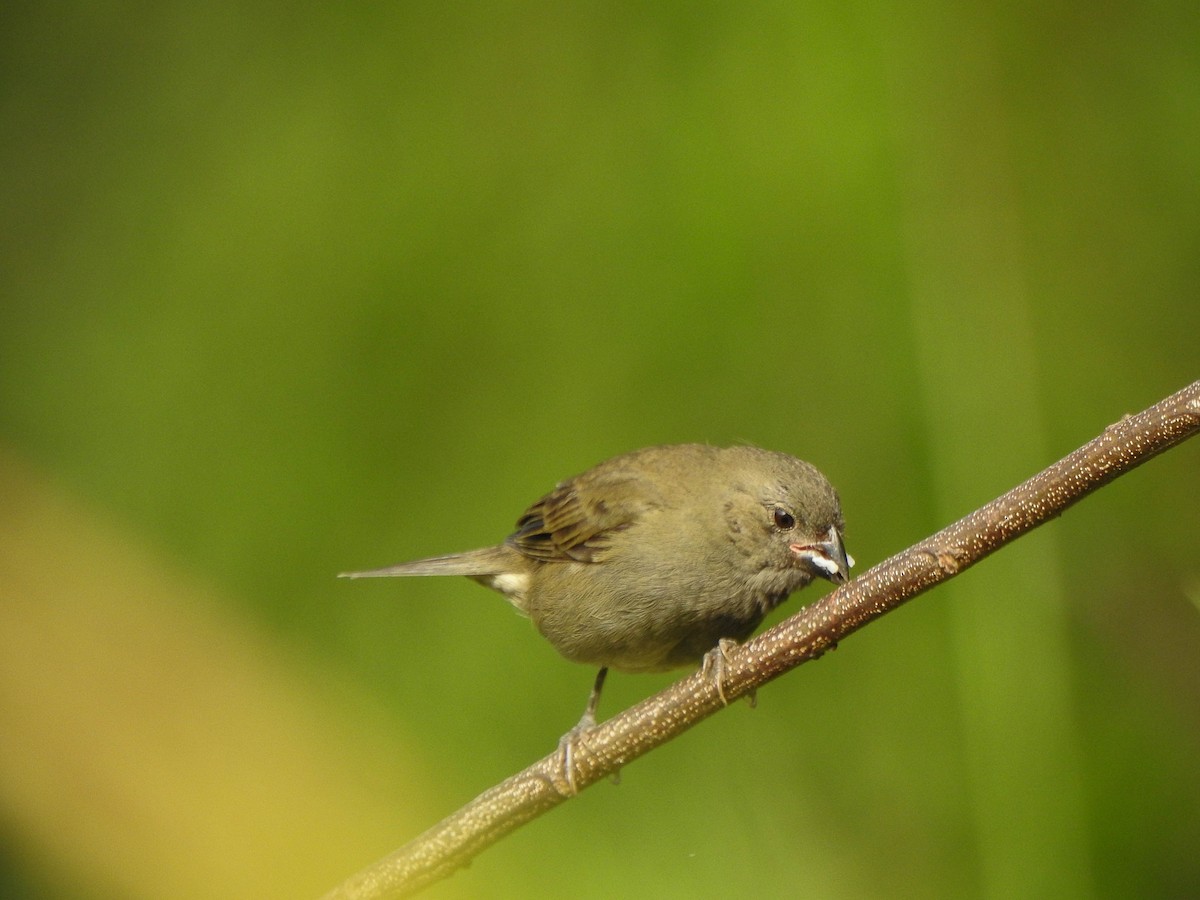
x=713 y=665
x=572 y=738
x=589 y=713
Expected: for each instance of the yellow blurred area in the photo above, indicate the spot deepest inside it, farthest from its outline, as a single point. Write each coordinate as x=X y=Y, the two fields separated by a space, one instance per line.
x=156 y=744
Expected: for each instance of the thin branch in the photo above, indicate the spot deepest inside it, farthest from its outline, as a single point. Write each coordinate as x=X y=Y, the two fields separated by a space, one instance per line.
x=457 y=839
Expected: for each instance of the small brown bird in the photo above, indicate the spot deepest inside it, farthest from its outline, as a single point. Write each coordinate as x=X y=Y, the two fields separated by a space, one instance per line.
x=652 y=559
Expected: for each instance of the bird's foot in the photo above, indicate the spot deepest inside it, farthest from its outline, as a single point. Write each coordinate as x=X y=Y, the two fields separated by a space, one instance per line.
x=713 y=666
x=571 y=742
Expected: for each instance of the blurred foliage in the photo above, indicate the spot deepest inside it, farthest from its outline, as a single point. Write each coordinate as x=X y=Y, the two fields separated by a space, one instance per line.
x=286 y=291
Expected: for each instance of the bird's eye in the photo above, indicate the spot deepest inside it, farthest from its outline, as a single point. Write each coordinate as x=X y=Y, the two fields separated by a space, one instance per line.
x=784 y=520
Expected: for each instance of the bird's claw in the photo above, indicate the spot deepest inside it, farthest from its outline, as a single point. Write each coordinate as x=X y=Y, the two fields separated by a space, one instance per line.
x=573 y=739
x=569 y=744
x=713 y=666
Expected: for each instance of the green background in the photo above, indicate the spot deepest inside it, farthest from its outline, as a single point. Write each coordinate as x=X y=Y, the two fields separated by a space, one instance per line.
x=286 y=291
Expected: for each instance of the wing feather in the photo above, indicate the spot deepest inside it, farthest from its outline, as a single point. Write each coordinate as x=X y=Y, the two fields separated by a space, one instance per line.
x=578 y=519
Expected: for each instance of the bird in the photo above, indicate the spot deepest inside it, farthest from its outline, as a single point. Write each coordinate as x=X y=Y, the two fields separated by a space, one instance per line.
x=660 y=557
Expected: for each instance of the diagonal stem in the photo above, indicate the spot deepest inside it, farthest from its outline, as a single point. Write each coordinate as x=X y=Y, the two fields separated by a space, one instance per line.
x=457 y=839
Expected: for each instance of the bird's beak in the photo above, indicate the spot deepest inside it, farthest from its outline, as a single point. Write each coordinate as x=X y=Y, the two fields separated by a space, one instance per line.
x=828 y=557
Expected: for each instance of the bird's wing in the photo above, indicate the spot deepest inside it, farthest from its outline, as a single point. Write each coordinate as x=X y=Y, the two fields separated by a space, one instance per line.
x=576 y=521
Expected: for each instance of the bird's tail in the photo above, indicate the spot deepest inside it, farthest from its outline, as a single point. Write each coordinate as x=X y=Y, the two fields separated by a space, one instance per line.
x=473 y=563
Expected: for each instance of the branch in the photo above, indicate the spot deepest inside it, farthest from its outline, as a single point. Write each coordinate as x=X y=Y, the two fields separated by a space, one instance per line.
x=457 y=839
